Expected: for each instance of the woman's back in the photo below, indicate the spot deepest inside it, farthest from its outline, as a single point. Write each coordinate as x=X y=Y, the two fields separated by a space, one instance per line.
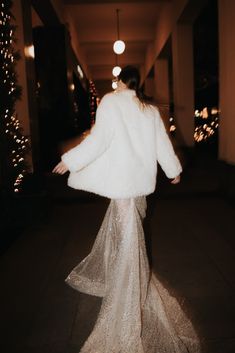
x=119 y=158
x=135 y=128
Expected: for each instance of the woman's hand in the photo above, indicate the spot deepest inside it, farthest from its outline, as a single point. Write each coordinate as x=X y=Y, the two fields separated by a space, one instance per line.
x=60 y=168
x=176 y=180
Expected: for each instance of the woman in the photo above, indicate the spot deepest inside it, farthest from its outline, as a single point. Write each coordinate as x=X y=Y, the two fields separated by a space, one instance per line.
x=118 y=160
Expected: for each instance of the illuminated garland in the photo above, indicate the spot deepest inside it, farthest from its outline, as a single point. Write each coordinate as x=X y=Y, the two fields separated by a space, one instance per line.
x=207 y=123
x=94 y=100
x=14 y=144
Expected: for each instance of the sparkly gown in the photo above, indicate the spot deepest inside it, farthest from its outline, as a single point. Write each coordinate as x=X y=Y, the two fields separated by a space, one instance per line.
x=133 y=317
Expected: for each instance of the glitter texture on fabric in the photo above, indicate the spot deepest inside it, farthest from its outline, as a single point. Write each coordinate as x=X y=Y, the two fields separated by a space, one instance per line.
x=134 y=315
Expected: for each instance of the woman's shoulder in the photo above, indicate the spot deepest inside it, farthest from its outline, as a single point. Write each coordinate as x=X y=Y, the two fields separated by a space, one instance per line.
x=113 y=99
x=106 y=102
x=152 y=110
x=110 y=96
x=119 y=95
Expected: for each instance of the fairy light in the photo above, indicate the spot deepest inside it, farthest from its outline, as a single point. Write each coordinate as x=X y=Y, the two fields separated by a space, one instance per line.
x=94 y=100
x=172 y=127
x=15 y=143
x=207 y=123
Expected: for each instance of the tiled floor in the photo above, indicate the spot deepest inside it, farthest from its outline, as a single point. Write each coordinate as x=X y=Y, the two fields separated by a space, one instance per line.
x=191 y=232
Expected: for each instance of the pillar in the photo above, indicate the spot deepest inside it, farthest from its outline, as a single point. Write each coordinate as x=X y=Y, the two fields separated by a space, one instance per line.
x=161 y=87
x=226 y=10
x=183 y=83
x=22 y=108
x=227 y=80
x=26 y=108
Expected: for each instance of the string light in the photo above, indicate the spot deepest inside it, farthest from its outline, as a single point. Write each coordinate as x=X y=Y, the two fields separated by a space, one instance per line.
x=94 y=100
x=172 y=127
x=207 y=121
x=15 y=143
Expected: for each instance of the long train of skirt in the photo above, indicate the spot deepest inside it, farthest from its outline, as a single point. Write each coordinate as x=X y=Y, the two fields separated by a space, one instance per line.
x=133 y=317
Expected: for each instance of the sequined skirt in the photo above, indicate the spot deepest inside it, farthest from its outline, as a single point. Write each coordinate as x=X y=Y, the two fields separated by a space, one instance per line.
x=133 y=317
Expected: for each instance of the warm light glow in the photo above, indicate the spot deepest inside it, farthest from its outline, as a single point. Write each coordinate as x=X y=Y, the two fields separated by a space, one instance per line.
x=72 y=87
x=214 y=111
x=205 y=131
x=29 y=51
x=114 y=85
x=119 y=47
x=205 y=113
x=116 y=71
x=80 y=72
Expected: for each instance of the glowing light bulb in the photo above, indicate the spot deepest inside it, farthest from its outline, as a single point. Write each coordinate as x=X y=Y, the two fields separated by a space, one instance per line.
x=80 y=72
x=29 y=51
x=114 y=85
x=116 y=71
x=119 y=46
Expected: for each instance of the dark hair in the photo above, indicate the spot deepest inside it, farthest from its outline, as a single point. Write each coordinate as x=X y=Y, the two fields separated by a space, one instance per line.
x=131 y=77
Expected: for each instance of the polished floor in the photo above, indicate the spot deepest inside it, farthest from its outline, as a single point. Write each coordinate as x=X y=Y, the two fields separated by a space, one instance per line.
x=191 y=243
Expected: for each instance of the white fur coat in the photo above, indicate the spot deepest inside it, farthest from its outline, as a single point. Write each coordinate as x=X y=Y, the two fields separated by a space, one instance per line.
x=118 y=159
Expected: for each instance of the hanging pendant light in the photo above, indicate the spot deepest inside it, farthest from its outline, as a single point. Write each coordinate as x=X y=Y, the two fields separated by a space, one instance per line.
x=116 y=71
x=119 y=45
x=114 y=85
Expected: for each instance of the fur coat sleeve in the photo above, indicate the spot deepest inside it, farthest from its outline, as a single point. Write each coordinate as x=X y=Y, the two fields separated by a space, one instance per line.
x=95 y=143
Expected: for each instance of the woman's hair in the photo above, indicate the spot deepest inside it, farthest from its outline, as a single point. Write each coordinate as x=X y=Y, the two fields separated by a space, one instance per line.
x=131 y=77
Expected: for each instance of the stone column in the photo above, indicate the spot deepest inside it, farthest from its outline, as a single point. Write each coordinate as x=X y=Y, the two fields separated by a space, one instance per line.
x=22 y=105
x=183 y=83
x=26 y=108
x=161 y=88
x=226 y=90
x=227 y=80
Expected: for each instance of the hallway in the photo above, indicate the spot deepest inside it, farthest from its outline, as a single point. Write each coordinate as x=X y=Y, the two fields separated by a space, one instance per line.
x=191 y=230
x=49 y=94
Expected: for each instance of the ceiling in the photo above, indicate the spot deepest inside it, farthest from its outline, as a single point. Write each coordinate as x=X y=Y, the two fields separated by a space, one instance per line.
x=95 y=24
